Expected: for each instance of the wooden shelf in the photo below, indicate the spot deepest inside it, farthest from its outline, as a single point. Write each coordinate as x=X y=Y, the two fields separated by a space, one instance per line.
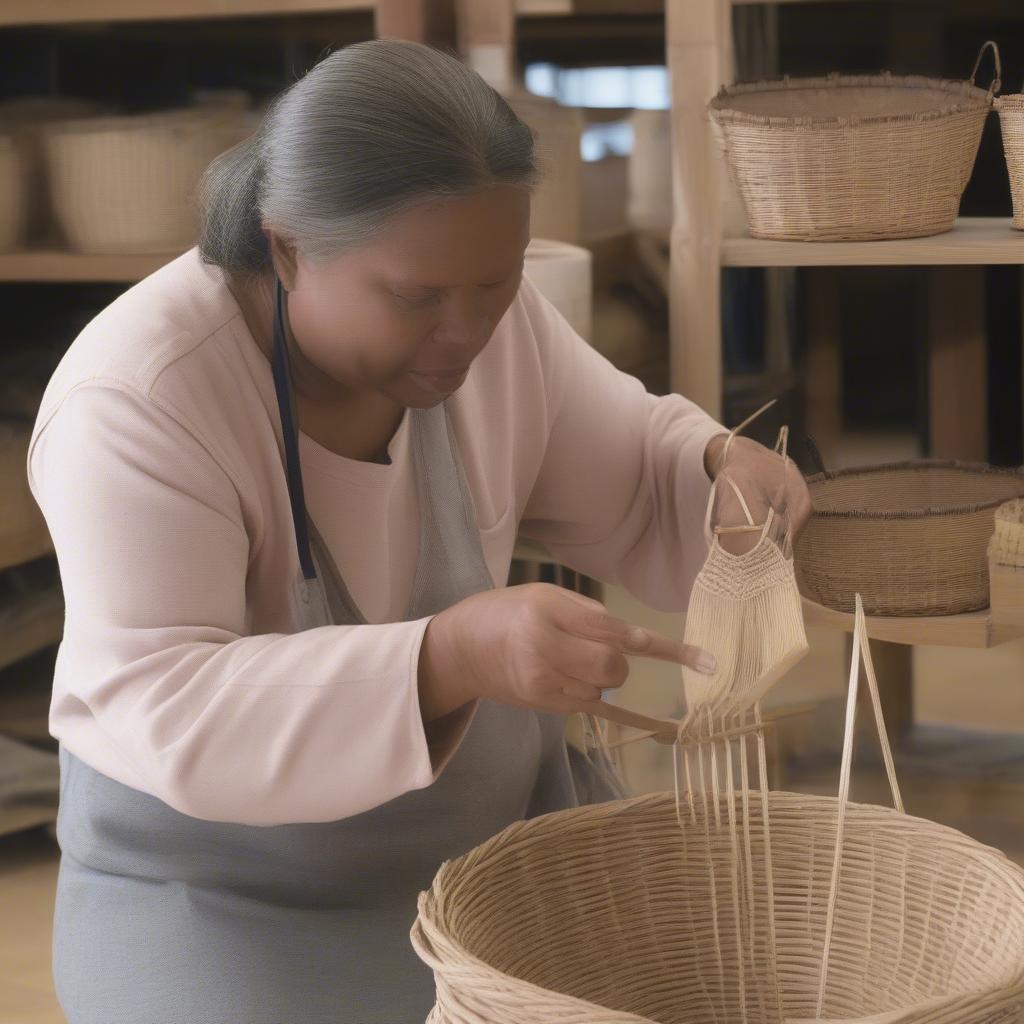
x=973 y=240
x=975 y=629
x=32 y=12
x=564 y=8
x=51 y=265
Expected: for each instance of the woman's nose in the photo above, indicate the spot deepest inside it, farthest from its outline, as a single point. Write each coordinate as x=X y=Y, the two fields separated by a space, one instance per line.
x=464 y=323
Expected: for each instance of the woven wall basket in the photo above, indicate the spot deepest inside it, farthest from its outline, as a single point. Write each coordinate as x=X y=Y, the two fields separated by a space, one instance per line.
x=852 y=157
x=127 y=184
x=1007 y=544
x=910 y=537
x=1011 y=122
x=622 y=913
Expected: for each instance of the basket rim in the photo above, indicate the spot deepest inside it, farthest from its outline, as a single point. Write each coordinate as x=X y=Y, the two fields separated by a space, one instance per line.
x=916 y=465
x=974 y=100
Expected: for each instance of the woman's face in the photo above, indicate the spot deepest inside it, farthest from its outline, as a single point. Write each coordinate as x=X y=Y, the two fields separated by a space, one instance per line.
x=406 y=314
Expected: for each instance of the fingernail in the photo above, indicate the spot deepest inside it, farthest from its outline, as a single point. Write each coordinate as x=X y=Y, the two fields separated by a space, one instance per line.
x=706 y=662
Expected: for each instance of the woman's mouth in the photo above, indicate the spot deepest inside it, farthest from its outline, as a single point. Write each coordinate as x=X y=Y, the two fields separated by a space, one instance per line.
x=439 y=383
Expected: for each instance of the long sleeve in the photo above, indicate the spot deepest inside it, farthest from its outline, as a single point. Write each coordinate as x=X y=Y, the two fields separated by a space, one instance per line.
x=622 y=491
x=153 y=554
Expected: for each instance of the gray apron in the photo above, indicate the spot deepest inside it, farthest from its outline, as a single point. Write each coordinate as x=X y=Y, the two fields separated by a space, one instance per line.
x=162 y=918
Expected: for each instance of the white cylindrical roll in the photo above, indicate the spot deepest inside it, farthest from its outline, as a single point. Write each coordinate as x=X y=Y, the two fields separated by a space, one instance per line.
x=650 y=171
x=562 y=273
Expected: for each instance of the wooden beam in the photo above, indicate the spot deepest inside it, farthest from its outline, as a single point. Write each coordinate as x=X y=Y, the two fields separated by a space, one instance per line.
x=957 y=364
x=486 y=35
x=422 y=21
x=699 y=58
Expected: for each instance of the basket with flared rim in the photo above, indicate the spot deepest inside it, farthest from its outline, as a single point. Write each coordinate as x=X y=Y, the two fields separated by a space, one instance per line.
x=616 y=913
x=853 y=157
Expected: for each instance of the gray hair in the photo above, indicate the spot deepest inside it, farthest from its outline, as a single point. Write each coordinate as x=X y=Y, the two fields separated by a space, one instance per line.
x=369 y=131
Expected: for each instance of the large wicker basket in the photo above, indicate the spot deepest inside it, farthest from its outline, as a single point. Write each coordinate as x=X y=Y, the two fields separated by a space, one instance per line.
x=852 y=157
x=127 y=184
x=910 y=537
x=1011 y=123
x=624 y=913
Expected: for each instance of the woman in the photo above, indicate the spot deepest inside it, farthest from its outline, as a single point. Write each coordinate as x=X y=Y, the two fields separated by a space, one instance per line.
x=284 y=476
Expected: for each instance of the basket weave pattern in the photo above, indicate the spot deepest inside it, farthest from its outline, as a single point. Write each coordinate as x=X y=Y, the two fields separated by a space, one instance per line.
x=911 y=537
x=127 y=184
x=852 y=157
x=1011 y=122
x=601 y=914
x=1007 y=544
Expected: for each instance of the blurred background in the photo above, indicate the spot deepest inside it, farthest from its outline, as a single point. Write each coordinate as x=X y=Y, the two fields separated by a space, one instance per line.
x=879 y=352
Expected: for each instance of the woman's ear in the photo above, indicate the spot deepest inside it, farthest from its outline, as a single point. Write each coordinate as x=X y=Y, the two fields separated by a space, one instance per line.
x=284 y=258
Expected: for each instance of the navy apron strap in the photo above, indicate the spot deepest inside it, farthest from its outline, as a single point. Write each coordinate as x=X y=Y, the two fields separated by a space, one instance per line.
x=282 y=385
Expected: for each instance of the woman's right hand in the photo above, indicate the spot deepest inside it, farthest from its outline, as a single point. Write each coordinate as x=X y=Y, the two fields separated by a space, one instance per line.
x=534 y=645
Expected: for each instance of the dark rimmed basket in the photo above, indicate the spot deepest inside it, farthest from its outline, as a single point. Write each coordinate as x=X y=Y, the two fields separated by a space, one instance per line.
x=910 y=537
x=853 y=157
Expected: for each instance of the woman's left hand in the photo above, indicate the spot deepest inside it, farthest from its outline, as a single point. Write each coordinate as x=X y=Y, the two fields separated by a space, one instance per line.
x=766 y=481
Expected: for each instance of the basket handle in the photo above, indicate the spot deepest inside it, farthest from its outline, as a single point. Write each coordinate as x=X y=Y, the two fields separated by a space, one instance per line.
x=997 y=81
x=861 y=649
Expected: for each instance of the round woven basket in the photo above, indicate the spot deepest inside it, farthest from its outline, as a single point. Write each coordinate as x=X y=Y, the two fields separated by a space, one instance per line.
x=127 y=184
x=602 y=915
x=910 y=537
x=13 y=194
x=1011 y=123
x=25 y=119
x=852 y=157
x=1007 y=544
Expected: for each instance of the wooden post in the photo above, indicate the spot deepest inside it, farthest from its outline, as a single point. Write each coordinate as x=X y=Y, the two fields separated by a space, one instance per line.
x=698 y=35
x=486 y=34
x=957 y=364
x=422 y=21
x=823 y=369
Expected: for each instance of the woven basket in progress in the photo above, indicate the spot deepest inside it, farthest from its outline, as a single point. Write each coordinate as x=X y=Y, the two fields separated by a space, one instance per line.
x=624 y=913
x=910 y=537
x=852 y=157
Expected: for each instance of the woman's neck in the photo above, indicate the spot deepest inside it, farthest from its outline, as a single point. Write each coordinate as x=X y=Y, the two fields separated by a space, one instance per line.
x=356 y=425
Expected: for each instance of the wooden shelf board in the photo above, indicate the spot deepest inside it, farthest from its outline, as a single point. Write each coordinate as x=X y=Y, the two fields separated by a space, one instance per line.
x=973 y=240
x=32 y=12
x=974 y=629
x=565 y=8
x=52 y=265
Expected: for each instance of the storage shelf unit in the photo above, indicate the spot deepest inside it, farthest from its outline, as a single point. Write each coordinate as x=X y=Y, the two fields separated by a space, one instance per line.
x=50 y=12
x=972 y=629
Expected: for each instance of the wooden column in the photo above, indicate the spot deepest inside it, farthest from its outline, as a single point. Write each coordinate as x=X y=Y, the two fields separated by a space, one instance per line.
x=422 y=21
x=699 y=59
x=957 y=364
x=486 y=35
x=823 y=369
